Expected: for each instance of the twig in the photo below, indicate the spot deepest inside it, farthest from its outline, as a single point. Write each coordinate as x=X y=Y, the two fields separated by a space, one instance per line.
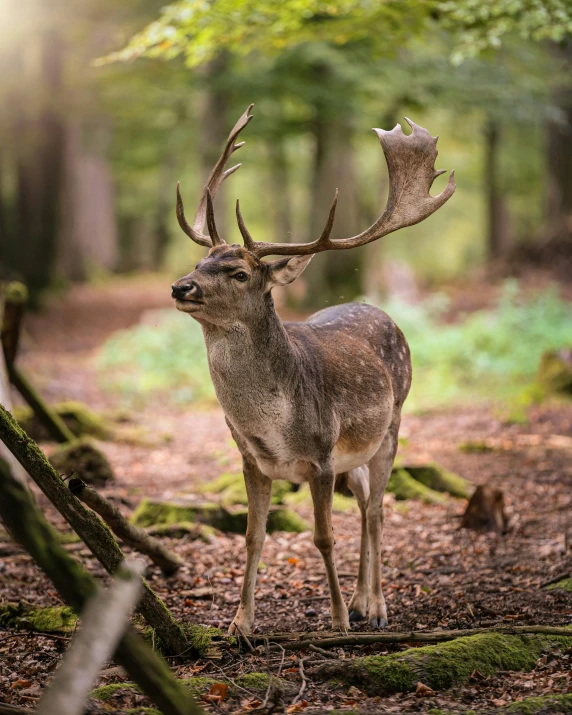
x=133 y=536
x=415 y=637
x=321 y=651
x=245 y=639
x=556 y=579
x=104 y=620
x=304 y=682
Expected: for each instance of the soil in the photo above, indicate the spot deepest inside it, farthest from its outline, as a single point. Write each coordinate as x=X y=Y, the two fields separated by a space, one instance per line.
x=434 y=574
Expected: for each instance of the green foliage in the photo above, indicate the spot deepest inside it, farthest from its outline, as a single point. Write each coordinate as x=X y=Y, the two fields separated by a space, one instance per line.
x=492 y=353
x=166 y=357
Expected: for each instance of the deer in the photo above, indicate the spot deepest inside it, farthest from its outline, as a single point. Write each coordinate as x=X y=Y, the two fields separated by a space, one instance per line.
x=318 y=401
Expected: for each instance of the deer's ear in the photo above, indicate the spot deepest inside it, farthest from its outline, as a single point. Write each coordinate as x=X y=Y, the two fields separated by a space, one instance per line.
x=287 y=270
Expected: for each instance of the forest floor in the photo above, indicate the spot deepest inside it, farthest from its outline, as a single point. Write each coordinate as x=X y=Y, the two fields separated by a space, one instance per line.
x=434 y=574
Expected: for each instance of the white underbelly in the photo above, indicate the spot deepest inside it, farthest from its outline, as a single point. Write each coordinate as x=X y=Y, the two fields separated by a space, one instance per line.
x=345 y=460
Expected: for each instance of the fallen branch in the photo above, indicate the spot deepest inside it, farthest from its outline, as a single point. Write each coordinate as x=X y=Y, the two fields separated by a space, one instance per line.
x=89 y=527
x=76 y=586
x=104 y=621
x=137 y=538
x=359 y=639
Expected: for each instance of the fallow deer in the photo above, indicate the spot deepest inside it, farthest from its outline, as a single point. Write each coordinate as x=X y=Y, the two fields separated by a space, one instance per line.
x=317 y=401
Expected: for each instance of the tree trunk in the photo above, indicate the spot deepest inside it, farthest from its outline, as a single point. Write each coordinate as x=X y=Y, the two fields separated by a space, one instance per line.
x=280 y=191
x=497 y=216
x=559 y=155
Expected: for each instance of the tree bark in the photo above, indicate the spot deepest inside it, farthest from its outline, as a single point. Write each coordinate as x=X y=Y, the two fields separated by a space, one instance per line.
x=497 y=216
x=133 y=536
x=91 y=530
x=29 y=527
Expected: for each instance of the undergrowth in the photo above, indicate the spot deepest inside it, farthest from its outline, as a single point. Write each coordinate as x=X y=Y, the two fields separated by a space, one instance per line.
x=491 y=354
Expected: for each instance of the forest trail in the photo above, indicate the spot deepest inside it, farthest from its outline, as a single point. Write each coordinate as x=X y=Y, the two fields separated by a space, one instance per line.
x=434 y=575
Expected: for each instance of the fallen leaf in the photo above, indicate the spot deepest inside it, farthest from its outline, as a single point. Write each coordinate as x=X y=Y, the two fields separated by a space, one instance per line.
x=20 y=684
x=298 y=707
x=219 y=690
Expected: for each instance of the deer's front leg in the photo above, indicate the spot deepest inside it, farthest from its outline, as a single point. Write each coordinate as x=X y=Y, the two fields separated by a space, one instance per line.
x=258 y=489
x=322 y=488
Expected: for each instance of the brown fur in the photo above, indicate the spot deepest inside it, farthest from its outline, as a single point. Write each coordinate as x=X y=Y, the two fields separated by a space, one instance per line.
x=317 y=401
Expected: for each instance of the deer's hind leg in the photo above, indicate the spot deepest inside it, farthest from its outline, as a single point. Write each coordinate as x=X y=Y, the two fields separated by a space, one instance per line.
x=380 y=467
x=358 y=482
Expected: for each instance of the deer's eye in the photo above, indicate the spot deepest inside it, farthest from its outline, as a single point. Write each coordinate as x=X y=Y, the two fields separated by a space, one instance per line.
x=241 y=276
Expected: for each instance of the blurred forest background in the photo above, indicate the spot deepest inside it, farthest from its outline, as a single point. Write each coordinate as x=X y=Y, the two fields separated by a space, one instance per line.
x=105 y=106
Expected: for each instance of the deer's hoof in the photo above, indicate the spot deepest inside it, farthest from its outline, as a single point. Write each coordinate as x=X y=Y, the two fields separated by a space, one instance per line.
x=238 y=629
x=378 y=622
x=356 y=616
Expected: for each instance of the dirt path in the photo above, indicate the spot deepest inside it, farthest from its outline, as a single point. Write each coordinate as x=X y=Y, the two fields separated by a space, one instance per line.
x=434 y=574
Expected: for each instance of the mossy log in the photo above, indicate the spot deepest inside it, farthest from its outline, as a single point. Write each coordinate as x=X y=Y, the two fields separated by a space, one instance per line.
x=83 y=458
x=404 y=486
x=132 y=535
x=442 y=666
x=88 y=526
x=436 y=477
x=231 y=489
x=15 y=297
x=51 y=619
x=55 y=426
x=80 y=419
x=555 y=371
x=76 y=586
x=150 y=513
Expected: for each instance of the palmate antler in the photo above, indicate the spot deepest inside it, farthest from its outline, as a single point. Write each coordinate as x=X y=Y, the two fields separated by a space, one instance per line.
x=217 y=176
x=410 y=162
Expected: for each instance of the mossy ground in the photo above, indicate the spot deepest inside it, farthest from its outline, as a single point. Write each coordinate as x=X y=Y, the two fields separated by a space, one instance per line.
x=84 y=459
x=54 y=619
x=446 y=664
x=150 y=513
x=565 y=584
x=402 y=484
x=543 y=704
x=231 y=489
x=440 y=479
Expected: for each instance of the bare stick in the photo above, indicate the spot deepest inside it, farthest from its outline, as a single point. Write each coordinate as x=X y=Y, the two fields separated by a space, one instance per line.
x=29 y=527
x=89 y=527
x=304 y=682
x=104 y=620
x=137 y=538
x=411 y=637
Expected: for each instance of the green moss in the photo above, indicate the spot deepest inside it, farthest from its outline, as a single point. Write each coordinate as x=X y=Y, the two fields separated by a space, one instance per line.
x=253 y=681
x=183 y=528
x=555 y=371
x=54 y=619
x=206 y=640
x=542 y=704
x=83 y=458
x=231 y=489
x=285 y=520
x=565 y=585
x=440 y=479
x=106 y=692
x=475 y=447
x=446 y=664
x=402 y=484
x=145 y=711
x=199 y=684
x=15 y=292
x=151 y=513
x=79 y=418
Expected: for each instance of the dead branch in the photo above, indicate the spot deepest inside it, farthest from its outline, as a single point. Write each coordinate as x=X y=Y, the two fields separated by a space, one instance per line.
x=133 y=536
x=104 y=620
x=89 y=527
x=402 y=637
x=29 y=527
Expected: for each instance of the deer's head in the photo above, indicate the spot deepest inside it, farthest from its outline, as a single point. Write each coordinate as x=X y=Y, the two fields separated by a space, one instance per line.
x=233 y=282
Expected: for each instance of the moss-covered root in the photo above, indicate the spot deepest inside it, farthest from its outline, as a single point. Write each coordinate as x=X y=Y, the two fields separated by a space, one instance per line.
x=444 y=665
x=542 y=705
x=79 y=418
x=402 y=484
x=441 y=480
x=555 y=371
x=54 y=619
x=82 y=457
x=564 y=585
x=150 y=513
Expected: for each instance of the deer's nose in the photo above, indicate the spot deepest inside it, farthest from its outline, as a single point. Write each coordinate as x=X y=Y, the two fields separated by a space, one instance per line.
x=190 y=288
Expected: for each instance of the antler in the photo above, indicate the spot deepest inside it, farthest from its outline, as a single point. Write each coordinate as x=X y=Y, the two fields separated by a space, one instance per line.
x=410 y=162
x=217 y=176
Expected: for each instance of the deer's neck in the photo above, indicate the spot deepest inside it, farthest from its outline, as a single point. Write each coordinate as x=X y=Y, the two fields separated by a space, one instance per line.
x=251 y=362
